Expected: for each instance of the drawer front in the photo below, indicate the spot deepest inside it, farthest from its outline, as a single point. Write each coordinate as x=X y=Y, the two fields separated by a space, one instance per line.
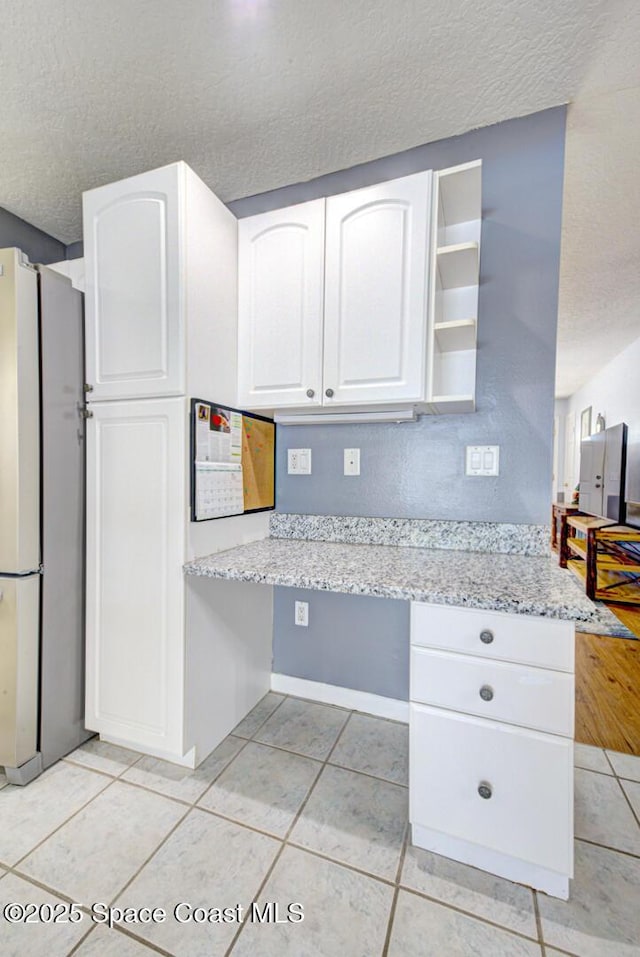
x=533 y=697
x=527 y=810
x=544 y=642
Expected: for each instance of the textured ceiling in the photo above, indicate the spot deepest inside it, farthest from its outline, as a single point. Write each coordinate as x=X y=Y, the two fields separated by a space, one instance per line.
x=256 y=94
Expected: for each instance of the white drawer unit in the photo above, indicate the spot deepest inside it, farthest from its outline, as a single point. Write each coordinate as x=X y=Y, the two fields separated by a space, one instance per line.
x=543 y=642
x=492 y=784
x=531 y=697
x=491 y=742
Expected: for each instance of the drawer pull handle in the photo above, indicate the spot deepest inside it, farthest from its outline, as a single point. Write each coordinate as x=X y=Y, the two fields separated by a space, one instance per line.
x=485 y=790
x=486 y=636
x=310 y=393
x=486 y=693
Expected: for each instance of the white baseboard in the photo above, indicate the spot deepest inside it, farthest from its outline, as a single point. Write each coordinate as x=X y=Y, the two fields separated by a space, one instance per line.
x=374 y=704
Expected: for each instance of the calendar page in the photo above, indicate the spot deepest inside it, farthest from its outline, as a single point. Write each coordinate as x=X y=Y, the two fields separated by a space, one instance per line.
x=219 y=490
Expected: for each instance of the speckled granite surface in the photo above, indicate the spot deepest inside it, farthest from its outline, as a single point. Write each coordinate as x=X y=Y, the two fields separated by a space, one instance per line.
x=495 y=537
x=510 y=583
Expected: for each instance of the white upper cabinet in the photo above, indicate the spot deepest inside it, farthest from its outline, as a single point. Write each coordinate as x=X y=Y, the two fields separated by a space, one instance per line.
x=280 y=295
x=146 y=239
x=376 y=293
x=134 y=326
x=366 y=300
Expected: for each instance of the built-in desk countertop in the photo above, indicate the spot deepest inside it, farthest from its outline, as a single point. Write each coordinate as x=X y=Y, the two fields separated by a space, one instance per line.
x=510 y=583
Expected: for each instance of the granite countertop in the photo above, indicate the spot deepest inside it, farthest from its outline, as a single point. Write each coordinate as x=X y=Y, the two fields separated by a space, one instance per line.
x=512 y=583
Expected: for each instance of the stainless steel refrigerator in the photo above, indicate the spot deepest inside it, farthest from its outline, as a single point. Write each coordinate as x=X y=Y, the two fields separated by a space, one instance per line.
x=41 y=517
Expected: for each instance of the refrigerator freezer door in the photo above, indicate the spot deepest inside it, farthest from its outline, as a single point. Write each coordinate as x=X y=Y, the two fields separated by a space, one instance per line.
x=62 y=649
x=19 y=628
x=19 y=416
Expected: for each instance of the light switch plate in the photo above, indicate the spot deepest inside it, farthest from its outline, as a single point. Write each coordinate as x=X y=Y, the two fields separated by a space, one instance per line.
x=352 y=461
x=299 y=461
x=483 y=460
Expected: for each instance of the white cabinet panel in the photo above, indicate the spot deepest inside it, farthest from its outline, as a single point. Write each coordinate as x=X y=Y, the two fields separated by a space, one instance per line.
x=136 y=509
x=532 y=697
x=527 y=810
x=134 y=307
x=376 y=292
x=280 y=302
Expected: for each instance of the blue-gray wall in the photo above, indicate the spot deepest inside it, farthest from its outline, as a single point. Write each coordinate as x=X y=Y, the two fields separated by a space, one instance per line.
x=353 y=641
x=38 y=246
x=417 y=470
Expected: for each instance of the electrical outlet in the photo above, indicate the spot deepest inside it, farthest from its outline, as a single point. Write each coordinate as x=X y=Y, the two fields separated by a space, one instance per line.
x=302 y=613
x=299 y=461
x=352 y=461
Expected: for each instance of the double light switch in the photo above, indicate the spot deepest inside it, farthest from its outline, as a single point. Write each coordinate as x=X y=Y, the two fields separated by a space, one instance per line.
x=483 y=460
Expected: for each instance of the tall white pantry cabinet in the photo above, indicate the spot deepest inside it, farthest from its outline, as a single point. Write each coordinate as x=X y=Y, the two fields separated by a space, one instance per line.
x=170 y=668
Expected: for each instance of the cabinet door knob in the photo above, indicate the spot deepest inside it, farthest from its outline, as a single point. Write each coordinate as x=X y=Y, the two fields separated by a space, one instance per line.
x=598 y=485
x=485 y=790
x=310 y=393
x=486 y=636
x=486 y=693
x=328 y=393
x=88 y=387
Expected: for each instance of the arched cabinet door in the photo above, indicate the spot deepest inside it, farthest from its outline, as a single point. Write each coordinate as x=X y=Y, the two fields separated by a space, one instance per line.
x=376 y=280
x=134 y=294
x=280 y=304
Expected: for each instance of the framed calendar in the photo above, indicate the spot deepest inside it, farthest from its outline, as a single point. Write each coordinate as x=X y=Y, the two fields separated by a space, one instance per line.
x=232 y=461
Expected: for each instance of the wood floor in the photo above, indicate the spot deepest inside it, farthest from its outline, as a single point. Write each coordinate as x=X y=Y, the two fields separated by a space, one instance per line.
x=629 y=615
x=608 y=689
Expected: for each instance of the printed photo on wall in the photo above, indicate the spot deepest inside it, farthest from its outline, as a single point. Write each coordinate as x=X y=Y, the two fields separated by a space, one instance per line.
x=585 y=423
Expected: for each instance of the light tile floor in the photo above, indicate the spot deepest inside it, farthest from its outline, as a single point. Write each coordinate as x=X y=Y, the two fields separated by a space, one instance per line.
x=303 y=803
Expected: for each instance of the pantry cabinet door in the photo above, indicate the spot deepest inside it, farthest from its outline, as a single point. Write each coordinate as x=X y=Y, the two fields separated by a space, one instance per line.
x=136 y=508
x=280 y=302
x=376 y=293
x=134 y=308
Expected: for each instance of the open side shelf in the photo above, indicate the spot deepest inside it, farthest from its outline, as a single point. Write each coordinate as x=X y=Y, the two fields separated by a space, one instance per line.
x=458 y=265
x=453 y=404
x=456 y=335
x=453 y=303
x=578 y=546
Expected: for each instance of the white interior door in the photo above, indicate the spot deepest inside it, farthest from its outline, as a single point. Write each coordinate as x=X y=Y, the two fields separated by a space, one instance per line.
x=376 y=292
x=280 y=304
x=136 y=510
x=134 y=327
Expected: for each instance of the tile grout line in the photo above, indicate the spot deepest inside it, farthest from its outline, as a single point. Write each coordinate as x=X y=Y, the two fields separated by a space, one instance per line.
x=396 y=892
x=538 y=918
x=607 y=847
x=467 y=913
x=631 y=807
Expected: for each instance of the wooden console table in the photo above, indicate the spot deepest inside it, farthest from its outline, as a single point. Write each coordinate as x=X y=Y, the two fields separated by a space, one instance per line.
x=559 y=513
x=607 y=558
